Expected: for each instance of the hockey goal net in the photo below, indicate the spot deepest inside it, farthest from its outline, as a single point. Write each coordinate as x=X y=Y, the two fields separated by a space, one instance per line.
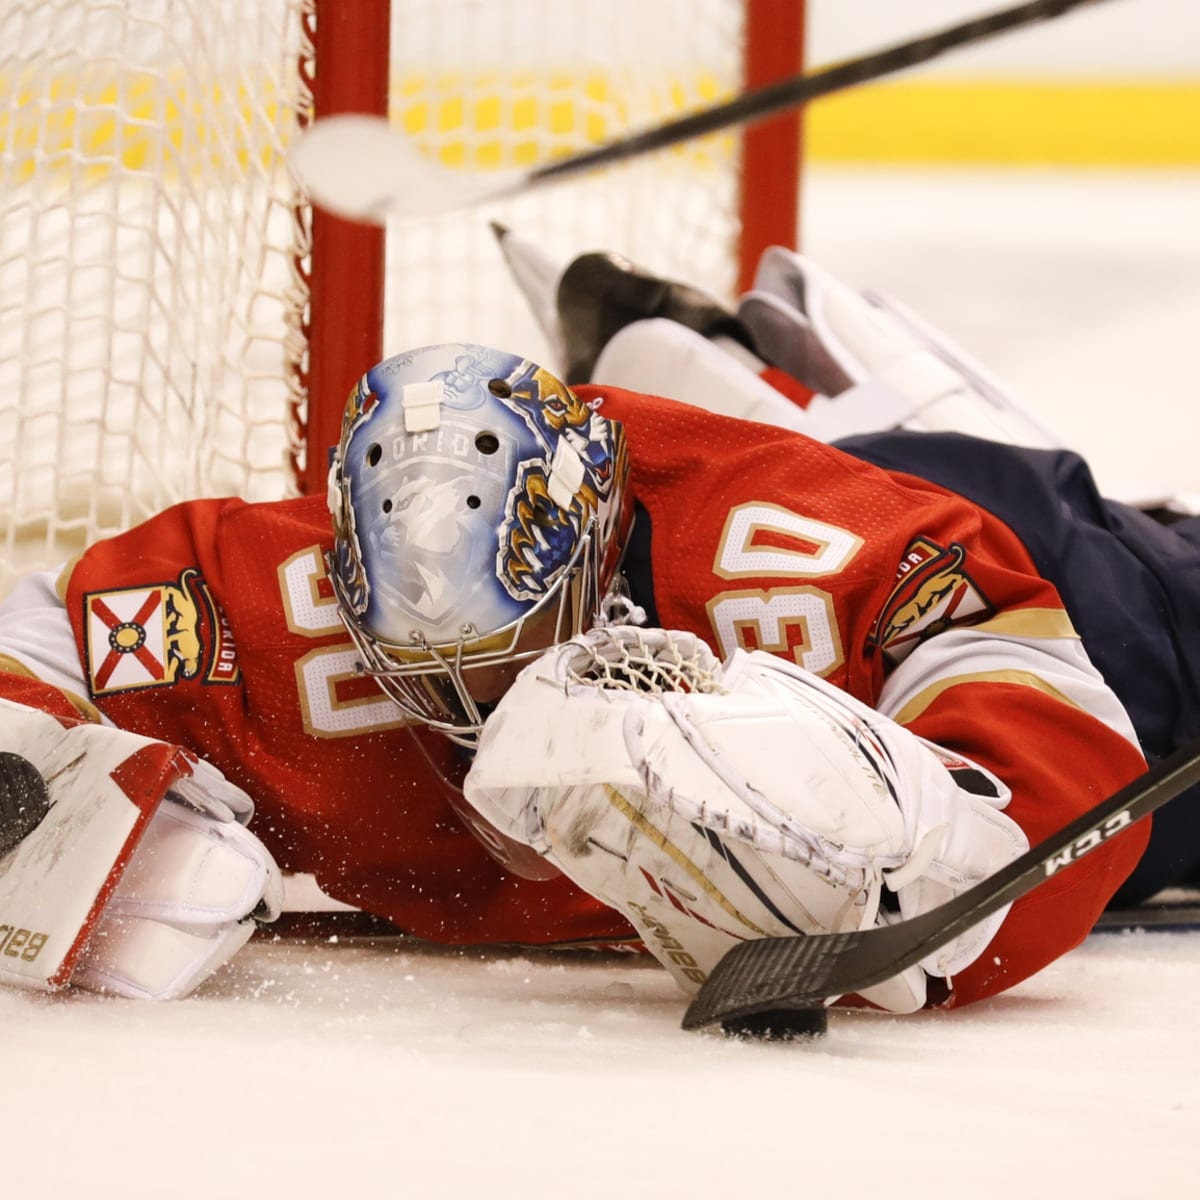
x=176 y=322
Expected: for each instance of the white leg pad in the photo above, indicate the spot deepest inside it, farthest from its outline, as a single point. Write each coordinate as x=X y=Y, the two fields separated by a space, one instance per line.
x=879 y=345
x=662 y=358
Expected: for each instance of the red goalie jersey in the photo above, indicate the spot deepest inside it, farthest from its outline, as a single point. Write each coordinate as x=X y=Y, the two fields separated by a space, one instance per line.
x=213 y=625
x=910 y=598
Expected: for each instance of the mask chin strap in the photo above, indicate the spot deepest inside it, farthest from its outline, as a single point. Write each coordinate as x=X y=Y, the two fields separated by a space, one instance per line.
x=465 y=734
x=618 y=608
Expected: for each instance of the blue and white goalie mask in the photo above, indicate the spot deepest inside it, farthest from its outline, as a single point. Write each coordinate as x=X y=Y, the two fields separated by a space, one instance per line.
x=480 y=509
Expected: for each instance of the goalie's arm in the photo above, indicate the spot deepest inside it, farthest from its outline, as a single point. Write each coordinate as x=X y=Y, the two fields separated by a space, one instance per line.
x=39 y=661
x=1034 y=711
x=136 y=874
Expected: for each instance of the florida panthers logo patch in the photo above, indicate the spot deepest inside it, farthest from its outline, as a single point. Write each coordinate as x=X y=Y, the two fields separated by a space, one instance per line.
x=933 y=591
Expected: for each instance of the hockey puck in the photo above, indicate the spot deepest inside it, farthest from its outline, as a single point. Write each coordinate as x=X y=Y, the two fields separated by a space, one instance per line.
x=779 y=1025
x=24 y=800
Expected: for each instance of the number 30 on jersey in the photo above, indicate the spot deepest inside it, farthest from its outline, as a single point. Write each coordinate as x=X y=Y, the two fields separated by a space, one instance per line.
x=797 y=620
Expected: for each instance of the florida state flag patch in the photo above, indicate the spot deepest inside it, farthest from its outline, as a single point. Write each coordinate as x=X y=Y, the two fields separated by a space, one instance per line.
x=141 y=637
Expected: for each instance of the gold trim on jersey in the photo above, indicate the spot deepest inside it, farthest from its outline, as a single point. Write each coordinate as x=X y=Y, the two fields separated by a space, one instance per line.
x=1031 y=623
x=88 y=711
x=764 y=540
x=310 y=610
x=925 y=698
x=799 y=623
x=325 y=711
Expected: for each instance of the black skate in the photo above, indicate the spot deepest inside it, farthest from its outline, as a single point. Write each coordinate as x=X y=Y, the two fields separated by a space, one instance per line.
x=600 y=293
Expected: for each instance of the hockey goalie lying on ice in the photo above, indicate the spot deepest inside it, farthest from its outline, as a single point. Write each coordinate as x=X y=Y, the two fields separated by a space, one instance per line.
x=704 y=678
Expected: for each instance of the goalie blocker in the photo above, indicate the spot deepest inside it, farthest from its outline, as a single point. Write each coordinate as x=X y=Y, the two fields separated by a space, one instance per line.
x=125 y=866
x=717 y=803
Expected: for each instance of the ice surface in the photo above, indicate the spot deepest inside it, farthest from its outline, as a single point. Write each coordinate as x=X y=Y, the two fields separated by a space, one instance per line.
x=351 y=1070
x=345 y=1070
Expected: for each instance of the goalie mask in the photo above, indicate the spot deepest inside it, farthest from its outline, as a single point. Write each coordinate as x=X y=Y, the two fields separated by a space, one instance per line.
x=479 y=510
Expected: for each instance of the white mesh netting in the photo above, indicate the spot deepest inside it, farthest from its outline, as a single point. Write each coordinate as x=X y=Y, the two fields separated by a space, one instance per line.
x=149 y=295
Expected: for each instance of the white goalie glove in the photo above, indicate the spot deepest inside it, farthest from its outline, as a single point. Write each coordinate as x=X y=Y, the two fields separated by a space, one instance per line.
x=710 y=803
x=133 y=872
x=194 y=892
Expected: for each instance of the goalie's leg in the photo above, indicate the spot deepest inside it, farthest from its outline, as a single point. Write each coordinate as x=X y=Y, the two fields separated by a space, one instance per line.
x=24 y=799
x=583 y=304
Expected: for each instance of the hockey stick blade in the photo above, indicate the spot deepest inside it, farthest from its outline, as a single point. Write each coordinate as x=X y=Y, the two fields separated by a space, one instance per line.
x=793 y=973
x=362 y=168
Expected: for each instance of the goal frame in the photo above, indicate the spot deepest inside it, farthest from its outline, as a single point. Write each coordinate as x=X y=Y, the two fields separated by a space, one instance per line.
x=344 y=323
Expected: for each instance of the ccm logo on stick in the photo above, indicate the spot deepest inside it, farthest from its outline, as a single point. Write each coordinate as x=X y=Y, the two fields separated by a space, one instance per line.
x=1088 y=842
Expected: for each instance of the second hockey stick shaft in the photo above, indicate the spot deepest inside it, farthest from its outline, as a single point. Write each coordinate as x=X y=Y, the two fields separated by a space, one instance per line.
x=798 y=90
x=366 y=169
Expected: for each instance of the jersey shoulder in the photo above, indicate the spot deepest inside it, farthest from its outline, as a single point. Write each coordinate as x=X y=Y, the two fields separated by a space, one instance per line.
x=702 y=466
x=213 y=537
x=161 y=604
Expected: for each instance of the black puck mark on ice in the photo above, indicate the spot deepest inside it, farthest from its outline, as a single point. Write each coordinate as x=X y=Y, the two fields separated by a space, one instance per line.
x=24 y=799
x=780 y=1025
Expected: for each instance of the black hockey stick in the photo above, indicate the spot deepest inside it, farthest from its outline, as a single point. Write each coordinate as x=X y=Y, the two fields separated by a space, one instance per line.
x=798 y=90
x=365 y=169
x=778 y=976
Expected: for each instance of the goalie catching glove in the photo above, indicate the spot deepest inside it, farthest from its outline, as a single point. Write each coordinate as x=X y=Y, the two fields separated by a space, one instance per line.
x=139 y=877
x=710 y=803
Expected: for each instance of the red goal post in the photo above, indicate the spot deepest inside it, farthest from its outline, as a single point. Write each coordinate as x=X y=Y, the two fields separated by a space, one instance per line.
x=176 y=322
